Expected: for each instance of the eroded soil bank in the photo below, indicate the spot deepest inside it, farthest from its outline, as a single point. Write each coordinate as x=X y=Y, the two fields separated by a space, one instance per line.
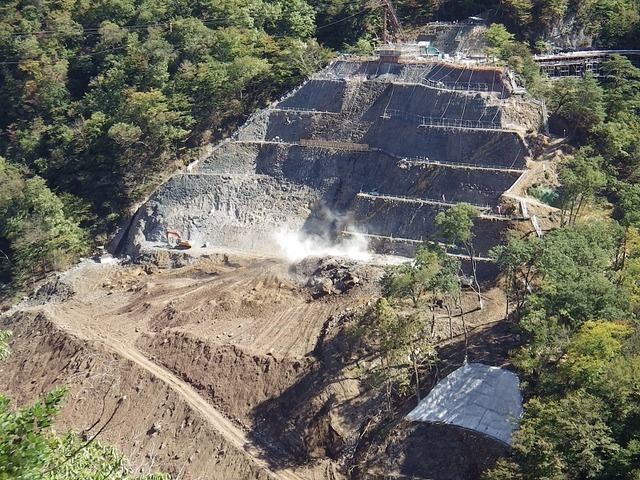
x=230 y=367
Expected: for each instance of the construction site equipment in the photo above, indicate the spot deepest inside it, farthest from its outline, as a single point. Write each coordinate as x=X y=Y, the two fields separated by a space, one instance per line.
x=390 y=24
x=175 y=240
x=576 y=64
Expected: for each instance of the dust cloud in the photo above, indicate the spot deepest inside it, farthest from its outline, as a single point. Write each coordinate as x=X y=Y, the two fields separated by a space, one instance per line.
x=295 y=246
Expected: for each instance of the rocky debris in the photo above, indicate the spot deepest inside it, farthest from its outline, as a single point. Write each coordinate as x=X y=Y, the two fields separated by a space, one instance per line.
x=332 y=325
x=164 y=259
x=332 y=278
x=54 y=291
x=167 y=318
x=155 y=428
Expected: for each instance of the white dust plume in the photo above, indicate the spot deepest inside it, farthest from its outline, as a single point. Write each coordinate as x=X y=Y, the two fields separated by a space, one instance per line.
x=296 y=246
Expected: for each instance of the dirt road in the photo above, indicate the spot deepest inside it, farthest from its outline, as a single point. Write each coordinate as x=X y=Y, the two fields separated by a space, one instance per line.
x=231 y=433
x=200 y=351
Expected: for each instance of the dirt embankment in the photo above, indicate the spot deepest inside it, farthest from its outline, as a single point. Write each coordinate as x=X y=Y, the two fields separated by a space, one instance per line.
x=156 y=423
x=183 y=359
x=230 y=367
x=211 y=368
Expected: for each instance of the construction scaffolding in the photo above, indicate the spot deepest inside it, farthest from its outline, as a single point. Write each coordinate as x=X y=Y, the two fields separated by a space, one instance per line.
x=576 y=64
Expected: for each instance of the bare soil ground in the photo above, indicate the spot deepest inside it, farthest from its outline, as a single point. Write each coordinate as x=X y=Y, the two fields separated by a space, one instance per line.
x=543 y=171
x=196 y=364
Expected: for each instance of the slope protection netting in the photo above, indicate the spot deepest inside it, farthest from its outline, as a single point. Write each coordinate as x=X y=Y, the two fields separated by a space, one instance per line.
x=350 y=142
x=381 y=173
x=474 y=147
x=405 y=220
x=430 y=73
x=403 y=136
x=416 y=102
x=318 y=95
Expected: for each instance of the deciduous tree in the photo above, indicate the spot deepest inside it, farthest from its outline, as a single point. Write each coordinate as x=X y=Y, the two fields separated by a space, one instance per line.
x=455 y=225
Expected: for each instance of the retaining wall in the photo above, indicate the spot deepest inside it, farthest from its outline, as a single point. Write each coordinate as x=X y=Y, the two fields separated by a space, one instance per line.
x=246 y=189
x=379 y=172
x=387 y=218
x=417 y=100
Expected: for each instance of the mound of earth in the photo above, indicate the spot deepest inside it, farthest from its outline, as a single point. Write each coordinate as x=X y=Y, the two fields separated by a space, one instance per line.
x=229 y=367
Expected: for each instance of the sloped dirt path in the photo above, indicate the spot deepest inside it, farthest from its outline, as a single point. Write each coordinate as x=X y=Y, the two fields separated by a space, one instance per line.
x=235 y=436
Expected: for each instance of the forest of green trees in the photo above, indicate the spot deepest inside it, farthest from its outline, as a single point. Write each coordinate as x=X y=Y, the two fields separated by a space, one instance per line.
x=101 y=100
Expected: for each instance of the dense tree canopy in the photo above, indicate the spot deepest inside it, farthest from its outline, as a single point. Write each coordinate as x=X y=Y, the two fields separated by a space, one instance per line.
x=575 y=293
x=39 y=231
x=101 y=99
x=612 y=23
x=96 y=95
x=580 y=359
x=576 y=297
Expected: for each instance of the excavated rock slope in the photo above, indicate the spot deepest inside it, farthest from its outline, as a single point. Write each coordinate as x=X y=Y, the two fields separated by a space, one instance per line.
x=368 y=146
x=238 y=366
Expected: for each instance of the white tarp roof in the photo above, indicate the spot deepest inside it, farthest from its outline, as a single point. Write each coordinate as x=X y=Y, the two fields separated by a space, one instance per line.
x=475 y=396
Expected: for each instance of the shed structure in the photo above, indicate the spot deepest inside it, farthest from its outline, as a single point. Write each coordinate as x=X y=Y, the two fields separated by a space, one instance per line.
x=477 y=397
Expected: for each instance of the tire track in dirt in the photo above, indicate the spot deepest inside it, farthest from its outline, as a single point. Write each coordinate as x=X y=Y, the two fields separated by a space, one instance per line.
x=230 y=432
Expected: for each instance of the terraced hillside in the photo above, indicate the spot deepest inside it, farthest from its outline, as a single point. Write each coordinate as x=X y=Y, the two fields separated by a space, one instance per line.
x=235 y=365
x=364 y=146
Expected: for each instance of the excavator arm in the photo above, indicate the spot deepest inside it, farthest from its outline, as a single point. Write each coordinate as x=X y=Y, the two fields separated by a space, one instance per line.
x=174 y=239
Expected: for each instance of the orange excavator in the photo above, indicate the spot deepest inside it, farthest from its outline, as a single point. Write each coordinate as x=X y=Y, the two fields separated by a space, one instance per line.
x=175 y=240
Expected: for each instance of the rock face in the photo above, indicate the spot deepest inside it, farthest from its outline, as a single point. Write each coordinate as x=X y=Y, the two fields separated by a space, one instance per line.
x=367 y=146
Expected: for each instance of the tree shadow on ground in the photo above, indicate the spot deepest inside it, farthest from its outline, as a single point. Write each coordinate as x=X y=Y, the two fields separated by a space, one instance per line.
x=323 y=414
x=436 y=452
x=489 y=344
x=328 y=412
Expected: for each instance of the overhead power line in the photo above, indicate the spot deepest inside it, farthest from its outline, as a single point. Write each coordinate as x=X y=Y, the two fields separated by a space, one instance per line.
x=343 y=19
